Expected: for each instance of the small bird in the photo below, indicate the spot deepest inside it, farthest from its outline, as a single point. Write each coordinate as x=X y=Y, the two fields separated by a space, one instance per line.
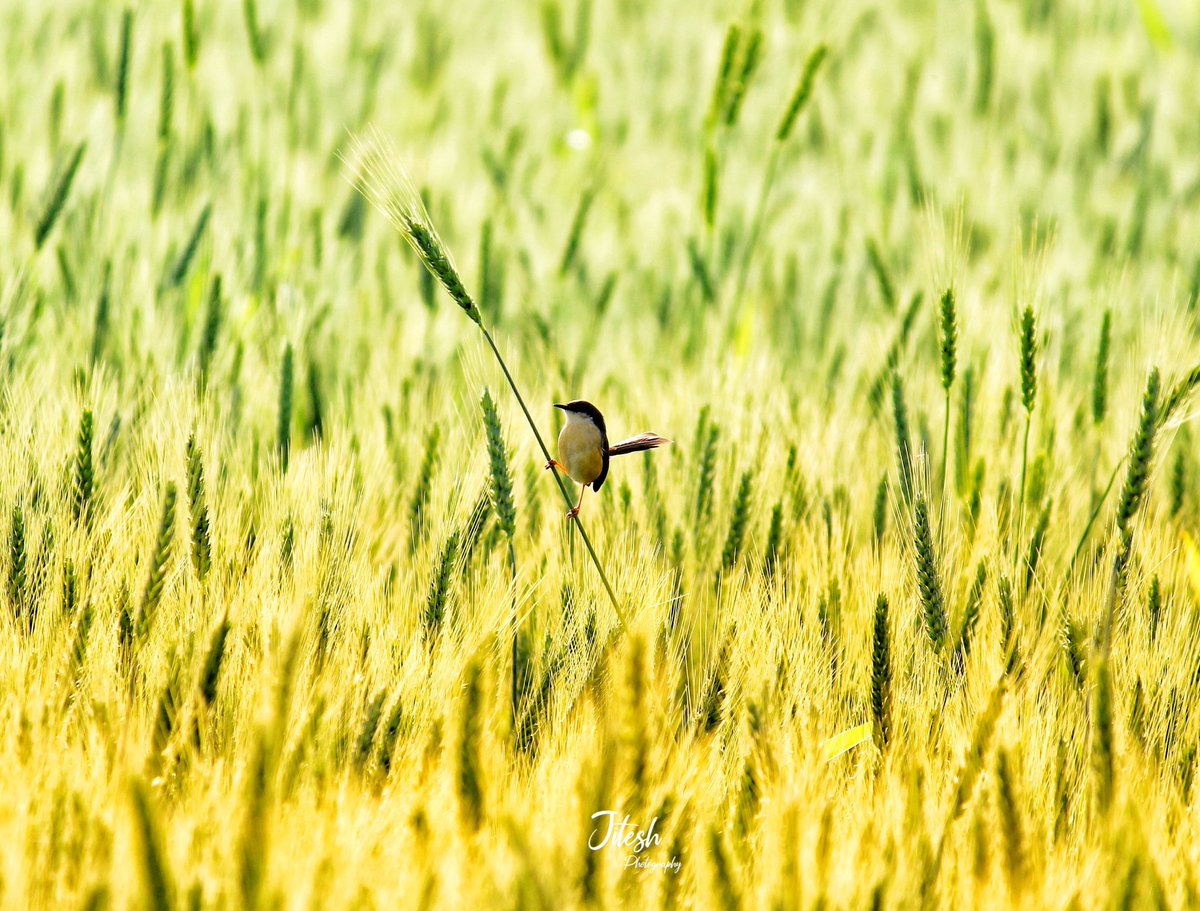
x=583 y=449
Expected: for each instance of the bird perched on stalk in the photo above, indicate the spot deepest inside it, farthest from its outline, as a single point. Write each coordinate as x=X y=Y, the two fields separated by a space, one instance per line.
x=584 y=450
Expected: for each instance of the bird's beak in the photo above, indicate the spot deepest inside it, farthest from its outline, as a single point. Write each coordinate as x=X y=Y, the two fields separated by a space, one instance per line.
x=563 y=407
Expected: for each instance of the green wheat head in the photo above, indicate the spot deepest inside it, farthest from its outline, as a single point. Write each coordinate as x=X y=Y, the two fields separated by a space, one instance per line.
x=436 y=603
x=802 y=93
x=1029 y=378
x=881 y=675
x=1100 y=379
x=198 y=505
x=729 y=52
x=929 y=586
x=737 y=522
x=1141 y=454
x=160 y=557
x=85 y=478
x=385 y=184
x=501 y=486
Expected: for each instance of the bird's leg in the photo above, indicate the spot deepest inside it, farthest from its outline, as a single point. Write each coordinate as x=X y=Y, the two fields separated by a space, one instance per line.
x=554 y=463
x=574 y=511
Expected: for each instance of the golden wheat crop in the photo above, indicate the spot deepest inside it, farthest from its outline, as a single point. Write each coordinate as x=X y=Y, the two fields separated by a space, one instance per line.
x=290 y=614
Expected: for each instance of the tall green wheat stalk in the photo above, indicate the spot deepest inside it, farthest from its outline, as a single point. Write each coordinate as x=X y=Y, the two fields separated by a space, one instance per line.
x=796 y=105
x=287 y=384
x=500 y=491
x=1133 y=491
x=470 y=767
x=381 y=180
x=903 y=440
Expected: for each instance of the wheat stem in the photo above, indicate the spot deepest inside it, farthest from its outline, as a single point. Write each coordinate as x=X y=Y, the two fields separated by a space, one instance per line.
x=558 y=479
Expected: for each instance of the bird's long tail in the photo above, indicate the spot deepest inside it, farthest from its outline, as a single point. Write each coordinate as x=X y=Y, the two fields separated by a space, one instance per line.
x=639 y=443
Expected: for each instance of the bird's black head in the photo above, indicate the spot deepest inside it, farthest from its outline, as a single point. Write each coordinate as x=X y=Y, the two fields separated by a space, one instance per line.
x=579 y=406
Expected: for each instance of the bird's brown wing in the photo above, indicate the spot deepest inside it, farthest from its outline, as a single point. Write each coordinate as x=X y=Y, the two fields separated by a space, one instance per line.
x=596 y=484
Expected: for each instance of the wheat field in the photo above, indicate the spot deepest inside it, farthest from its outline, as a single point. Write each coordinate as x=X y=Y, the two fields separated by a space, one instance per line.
x=906 y=616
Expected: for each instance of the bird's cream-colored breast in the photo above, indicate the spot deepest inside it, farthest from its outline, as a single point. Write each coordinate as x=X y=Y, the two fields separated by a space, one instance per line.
x=579 y=449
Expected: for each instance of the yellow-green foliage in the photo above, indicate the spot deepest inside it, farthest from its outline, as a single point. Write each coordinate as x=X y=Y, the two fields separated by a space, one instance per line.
x=264 y=641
